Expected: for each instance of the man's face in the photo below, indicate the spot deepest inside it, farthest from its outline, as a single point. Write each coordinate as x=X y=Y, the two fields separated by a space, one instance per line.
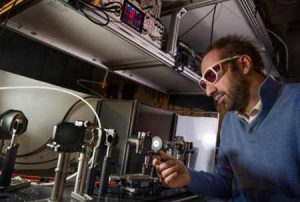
x=231 y=90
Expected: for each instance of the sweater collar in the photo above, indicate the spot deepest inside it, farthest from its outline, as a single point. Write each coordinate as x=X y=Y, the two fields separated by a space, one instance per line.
x=269 y=91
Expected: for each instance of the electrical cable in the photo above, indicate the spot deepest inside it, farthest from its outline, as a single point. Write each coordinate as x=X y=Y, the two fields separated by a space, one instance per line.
x=108 y=7
x=33 y=178
x=36 y=151
x=35 y=163
x=93 y=19
x=55 y=89
x=79 y=82
x=44 y=146
x=74 y=105
x=51 y=160
x=39 y=162
x=285 y=47
x=52 y=183
x=49 y=140
x=6 y=19
x=111 y=182
x=193 y=26
x=59 y=90
x=212 y=24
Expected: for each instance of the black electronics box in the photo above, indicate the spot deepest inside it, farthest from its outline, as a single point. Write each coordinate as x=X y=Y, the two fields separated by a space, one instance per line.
x=128 y=118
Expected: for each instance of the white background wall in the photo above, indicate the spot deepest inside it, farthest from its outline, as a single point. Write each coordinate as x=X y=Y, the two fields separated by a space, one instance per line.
x=43 y=108
x=202 y=131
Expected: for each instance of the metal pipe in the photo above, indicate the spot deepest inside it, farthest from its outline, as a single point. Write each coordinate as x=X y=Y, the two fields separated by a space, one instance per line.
x=91 y=170
x=84 y=172
x=104 y=173
x=60 y=176
x=80 y=184
x=174 y=29
x=256 y=24
x=79 y=176
x=188 y=161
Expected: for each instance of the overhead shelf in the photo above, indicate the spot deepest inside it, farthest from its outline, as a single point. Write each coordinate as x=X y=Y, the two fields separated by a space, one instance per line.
x=115 y=47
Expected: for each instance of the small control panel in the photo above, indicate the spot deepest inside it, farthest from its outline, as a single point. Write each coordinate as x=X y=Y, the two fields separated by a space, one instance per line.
x=132 y=16
x=140 y=18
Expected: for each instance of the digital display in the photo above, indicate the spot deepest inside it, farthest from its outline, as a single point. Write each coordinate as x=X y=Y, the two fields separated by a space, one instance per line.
x=132 y=16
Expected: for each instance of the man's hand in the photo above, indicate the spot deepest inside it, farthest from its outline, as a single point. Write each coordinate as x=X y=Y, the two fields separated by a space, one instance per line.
x=171 y=171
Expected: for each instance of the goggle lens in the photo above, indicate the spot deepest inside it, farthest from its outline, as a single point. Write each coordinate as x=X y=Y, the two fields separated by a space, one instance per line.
x=217 y=67
x=202 y=84
x=210 y=76
x=214 y=73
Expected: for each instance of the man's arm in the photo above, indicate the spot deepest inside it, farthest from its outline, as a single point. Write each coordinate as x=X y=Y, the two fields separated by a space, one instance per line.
x=174 y=174
x=217 y=185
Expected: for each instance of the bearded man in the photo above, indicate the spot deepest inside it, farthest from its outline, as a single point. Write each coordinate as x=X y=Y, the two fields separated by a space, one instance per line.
x=259 y=153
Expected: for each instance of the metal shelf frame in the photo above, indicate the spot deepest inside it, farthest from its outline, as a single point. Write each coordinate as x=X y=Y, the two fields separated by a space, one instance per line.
x=115 y=47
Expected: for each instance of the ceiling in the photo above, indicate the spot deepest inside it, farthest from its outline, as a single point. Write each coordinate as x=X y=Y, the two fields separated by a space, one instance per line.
x=280 y=17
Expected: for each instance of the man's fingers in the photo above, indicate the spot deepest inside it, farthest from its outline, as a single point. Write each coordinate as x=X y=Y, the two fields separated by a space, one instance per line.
x=161 y=156
x=170 y=179
x=165 y=173
x=164 y=156
x=156 y=161
x=165 y=165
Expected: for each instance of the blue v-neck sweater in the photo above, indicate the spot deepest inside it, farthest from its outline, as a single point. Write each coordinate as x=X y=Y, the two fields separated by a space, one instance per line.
x=260 y=161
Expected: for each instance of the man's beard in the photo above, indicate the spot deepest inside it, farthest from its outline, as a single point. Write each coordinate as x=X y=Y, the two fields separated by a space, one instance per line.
x=238 y=96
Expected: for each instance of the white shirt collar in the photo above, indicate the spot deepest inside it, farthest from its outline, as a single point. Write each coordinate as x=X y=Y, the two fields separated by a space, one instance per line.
x=253 y=113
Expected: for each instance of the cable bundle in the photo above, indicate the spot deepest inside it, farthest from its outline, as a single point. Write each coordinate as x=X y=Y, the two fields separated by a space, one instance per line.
x=100 y=11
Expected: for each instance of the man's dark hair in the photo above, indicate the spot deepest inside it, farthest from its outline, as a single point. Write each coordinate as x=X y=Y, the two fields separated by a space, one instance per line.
x=232 y=45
